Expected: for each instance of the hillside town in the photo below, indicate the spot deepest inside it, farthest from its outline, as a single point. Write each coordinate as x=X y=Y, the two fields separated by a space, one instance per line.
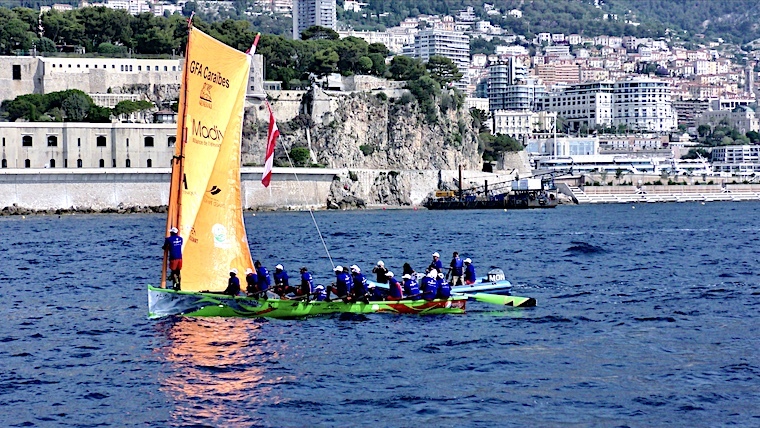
x=597 y=103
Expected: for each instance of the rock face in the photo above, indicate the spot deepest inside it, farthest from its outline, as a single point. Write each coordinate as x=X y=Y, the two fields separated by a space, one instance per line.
x=367 y=131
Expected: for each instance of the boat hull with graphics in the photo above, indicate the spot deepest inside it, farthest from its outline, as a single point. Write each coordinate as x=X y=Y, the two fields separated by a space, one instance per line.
x=165 y=302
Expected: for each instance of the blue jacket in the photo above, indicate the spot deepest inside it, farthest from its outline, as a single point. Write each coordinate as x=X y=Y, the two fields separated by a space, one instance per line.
x=431 y=289
x=412 y=289
x=343 y=283
x=456 y=266
x=360 y=284
x=281 y=278
x=321 y=293
x=233 y=286
x=173 y=243
x=252 y=282
x=437 y=265
x=307 y=283
x=444 y=289
x=395 y=291
x=469 y=273
x=264 y=281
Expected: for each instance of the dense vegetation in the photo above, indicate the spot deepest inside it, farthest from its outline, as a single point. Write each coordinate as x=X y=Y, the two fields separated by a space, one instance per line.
x=71 y=105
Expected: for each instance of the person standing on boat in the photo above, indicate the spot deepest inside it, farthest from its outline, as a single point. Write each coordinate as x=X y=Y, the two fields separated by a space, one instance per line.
x=455 y=269
x=411 y=288
x=436 y=264
x=469 y=272
x=360 y=285
x=444 y=288
x=251 y=281
x=264 y=280
x=430 y=285
x=233 y=284
x=381 y=272
x=307 y=283
x=281 y=284
x=395 y=292
x=173 y=244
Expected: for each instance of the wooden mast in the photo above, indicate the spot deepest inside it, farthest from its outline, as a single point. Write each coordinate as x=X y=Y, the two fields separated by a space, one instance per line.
x=174 y=211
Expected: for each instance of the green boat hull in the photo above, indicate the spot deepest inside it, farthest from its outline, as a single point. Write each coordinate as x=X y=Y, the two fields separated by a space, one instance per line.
x=165 y=302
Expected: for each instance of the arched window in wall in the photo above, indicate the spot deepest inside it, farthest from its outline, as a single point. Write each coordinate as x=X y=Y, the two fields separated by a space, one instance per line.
x=52 y=163
x=52 y=141
x=102 y=163
x=150 y=163
x=79 y=163
x=27 y=163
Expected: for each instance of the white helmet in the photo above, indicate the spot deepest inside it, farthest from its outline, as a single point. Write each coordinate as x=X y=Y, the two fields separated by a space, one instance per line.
x=440 y=275
x=233 y=271
x=436 y=255
x=173 y=230
x=406 y=276
x=380 y=263
x=338 y=269
x=389 y=273
x=247 y=271
x=467 y=260
x=278 y=267
x=355 y=268
x=432 y=274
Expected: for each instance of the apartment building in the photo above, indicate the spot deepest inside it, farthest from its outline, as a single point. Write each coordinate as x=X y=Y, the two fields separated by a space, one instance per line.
x=307 y=13
x=582 y=105
x=522 y=124
x=644 y=104
x=742 y=118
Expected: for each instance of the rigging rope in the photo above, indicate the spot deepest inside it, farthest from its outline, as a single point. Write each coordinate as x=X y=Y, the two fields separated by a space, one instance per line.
x=313 y=219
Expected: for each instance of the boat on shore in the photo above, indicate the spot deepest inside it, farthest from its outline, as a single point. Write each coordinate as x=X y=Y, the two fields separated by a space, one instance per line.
x=205 y=205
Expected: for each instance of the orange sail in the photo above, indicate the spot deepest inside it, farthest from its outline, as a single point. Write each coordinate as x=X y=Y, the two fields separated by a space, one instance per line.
x=204 y=202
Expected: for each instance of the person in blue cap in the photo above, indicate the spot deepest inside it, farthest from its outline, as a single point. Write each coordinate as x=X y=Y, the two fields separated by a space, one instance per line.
x=307 y=284
x=264 y=280
x=173 y=245
x=456 y=269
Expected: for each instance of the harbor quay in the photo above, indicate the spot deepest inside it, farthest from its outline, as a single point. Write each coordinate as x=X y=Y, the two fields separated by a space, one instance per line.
x=95 y=189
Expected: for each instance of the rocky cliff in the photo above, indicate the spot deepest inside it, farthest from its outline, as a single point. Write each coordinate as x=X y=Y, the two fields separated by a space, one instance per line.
x=388 y=139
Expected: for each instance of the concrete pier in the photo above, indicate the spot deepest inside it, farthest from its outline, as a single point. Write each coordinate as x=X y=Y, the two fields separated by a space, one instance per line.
x=98 y=189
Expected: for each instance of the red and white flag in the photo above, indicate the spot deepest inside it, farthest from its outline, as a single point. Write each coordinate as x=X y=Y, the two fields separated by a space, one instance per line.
x=272 y=135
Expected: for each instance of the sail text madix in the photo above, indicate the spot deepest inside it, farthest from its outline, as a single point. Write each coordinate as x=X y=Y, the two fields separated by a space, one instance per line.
x=213 y=133
x=198 y=68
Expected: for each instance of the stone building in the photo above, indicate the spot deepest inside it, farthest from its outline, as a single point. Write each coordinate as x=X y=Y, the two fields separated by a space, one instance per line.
x=86 y=145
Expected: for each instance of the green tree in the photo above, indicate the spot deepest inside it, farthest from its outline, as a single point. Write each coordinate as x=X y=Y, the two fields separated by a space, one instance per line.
x=443 y=70
x=300 y=156
x=704 y=130
x=76 y=106
x=14 y=32
x=378 y=48
x=406 y=68
x=364 y=65
x=325 y=62
x=378 y=64
x=45 y=45
x=350 y=50
x=319 y=33
x=754 y=137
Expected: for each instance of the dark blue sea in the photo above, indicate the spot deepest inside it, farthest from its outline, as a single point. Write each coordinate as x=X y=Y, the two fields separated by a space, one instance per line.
x=648 y=315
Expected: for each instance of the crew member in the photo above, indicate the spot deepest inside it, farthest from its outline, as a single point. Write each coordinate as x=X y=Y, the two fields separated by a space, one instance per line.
x=360 y=285
x=251 y=281
x=281 y=285
x=444 y=288
x=381 y=272
x=233 y=284
x=342 y=287
x=407 y=270
x=436 y=264
x=307 y=283
x=455 y=269
x=395 y=292
x=411 y=289
x=320 y=295
x=264 y=280
x=430 y=285
x=469 y=272
x=173 y=244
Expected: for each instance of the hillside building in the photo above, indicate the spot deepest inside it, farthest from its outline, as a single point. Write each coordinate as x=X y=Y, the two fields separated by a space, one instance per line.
x=307 y=13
